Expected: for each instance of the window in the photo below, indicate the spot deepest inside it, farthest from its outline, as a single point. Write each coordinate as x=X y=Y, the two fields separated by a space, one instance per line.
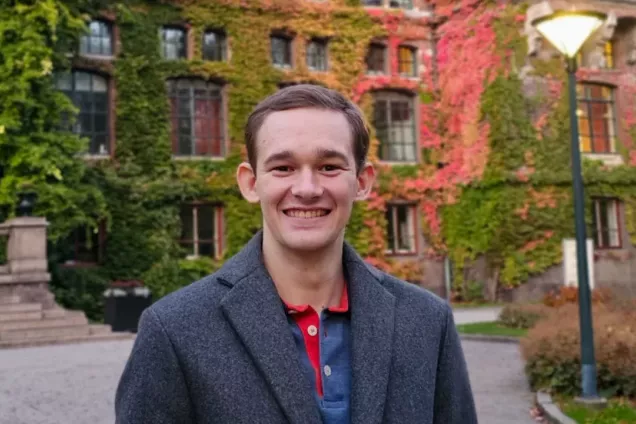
x=401 y=4
x=317 y=55
x=173 y=43
x=597 y=130
x=201 y=230
x=214 y=43
x=606 y=227
x=394 y=123
x=281 y=51
x=89 y=93
x=98 y=40
x=407 y=63
x=376 y=59
x=196 y=117
x=86 y=245
x=401 y=229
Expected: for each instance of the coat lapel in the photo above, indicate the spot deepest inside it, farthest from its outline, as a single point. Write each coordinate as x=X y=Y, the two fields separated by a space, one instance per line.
x=372 y=324
x=256 y=313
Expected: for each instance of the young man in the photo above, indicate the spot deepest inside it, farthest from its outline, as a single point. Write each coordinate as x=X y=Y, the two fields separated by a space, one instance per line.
x=297 y=328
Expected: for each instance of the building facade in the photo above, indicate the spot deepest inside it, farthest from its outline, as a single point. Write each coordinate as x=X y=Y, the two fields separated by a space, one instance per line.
x=462 y=98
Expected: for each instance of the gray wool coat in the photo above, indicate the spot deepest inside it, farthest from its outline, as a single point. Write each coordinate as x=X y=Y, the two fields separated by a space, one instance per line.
x=221 y=351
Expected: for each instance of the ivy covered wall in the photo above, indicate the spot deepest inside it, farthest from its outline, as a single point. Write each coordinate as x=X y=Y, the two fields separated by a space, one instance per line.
x=493 y=181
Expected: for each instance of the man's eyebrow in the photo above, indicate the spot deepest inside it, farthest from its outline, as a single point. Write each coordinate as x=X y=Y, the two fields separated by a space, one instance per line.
x=279 y=156
x=320 y=153
x=332 y=154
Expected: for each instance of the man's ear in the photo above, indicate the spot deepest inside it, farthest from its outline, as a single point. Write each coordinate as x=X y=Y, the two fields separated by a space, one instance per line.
x=366 y=179
x=246 y=178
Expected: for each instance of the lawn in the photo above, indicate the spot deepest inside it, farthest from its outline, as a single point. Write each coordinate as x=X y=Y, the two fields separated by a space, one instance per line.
x=490 y=329
x=617 y=412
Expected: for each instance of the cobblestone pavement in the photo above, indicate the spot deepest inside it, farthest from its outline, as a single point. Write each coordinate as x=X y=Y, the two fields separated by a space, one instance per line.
x=75 y=384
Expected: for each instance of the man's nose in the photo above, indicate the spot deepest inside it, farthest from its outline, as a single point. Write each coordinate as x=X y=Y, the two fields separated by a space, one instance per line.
x=307 y=185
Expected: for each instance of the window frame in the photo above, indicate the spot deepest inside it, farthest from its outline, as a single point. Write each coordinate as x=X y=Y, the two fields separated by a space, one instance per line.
x=223 y=44
x=385 y=57
x=162 y=41
x=218 y=225
x=74 y=97
x=322 y=44
x=110 y=29
x=174 y=85
x=391 y=97
x=289 y=39
x=390 y=4
x=414 y=64
x=599 y=231
x=392 y=208
x=611 y=128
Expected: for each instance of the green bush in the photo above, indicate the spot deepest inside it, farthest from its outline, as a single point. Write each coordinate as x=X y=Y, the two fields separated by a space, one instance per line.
x=522 y=316
x=80 y=289
x=552 y=351
x=169 y=275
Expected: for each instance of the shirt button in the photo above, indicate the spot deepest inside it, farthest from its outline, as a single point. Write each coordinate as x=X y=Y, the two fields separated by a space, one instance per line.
x=312 y=330
x=327 y=370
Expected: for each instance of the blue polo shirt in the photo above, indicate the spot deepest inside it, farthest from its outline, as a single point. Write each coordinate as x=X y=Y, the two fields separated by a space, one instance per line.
x=323 y=342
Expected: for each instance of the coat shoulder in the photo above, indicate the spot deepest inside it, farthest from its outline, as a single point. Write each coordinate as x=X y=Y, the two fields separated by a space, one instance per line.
x=419 y=302
x=187 y=302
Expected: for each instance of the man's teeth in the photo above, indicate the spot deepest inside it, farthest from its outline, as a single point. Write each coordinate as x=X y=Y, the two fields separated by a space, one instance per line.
x=307 y=214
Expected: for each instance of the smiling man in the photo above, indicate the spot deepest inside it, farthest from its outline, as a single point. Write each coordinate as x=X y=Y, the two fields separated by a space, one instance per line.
x=297 y=328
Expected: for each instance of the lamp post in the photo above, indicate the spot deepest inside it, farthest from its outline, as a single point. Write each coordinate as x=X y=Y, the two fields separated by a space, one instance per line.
x=567 y=31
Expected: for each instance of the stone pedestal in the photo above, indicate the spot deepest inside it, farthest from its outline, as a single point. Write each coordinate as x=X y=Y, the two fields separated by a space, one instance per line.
x=26 y=272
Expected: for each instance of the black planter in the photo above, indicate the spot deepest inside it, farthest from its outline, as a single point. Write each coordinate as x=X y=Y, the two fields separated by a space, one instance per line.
x=123 y=307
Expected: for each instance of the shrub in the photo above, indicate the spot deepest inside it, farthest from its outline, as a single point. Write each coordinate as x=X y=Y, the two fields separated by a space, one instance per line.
x=570 y=294
x=522 y=316
x=80 y=289
x=170 y=275
x=552 y=351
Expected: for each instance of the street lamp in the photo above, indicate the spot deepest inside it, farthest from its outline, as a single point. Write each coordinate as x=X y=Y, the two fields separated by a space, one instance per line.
x=567 y=31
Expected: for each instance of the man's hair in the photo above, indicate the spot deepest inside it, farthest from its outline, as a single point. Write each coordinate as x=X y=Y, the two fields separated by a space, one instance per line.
x=308 y=96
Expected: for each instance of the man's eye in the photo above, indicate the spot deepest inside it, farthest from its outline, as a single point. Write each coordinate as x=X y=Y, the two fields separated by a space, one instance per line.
x=282 y=169
x=330 y=168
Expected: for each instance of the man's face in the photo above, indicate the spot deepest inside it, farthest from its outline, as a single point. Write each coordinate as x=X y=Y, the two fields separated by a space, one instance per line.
x=305 y=178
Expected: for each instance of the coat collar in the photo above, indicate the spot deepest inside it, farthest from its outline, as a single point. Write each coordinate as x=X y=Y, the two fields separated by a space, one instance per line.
x=255 y=311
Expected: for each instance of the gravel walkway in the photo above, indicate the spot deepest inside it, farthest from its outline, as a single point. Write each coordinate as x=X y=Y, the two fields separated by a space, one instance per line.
x=75 y=384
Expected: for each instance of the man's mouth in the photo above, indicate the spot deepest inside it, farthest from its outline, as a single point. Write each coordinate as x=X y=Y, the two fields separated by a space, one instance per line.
x=306 y=214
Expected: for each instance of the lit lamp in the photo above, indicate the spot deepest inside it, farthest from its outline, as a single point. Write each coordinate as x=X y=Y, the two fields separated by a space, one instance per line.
x=567 y=31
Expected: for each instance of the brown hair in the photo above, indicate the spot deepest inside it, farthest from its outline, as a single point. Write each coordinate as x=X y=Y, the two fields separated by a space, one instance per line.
x=308 y=96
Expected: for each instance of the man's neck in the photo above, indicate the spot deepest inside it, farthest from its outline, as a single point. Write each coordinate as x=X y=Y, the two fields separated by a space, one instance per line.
x=315 y=279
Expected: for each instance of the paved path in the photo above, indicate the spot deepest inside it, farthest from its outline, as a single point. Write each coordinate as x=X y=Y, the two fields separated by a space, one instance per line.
x=468 y=315
x=75 y=384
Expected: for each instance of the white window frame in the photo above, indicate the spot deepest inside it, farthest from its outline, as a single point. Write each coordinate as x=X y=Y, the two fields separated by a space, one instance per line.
x=218 y=229
x=614 y=225
x=411 y=229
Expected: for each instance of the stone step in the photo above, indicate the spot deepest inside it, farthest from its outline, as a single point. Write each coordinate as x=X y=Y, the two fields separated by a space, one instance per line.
x=49 y=341
x=55 y=313
x=43 y=323
x=52 y=332
x=20 y=316
x=100 y=329
x=21 y=307
x=8 y=300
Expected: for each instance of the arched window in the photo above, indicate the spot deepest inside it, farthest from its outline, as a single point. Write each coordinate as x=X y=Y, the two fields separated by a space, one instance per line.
x=89 y=93
x=197 y=117
x=597 y=126
x=394 y=122
x=98 y=40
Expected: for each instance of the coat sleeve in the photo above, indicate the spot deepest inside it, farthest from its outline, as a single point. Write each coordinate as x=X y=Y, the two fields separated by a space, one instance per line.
x=454 y=403
x=152 y=388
